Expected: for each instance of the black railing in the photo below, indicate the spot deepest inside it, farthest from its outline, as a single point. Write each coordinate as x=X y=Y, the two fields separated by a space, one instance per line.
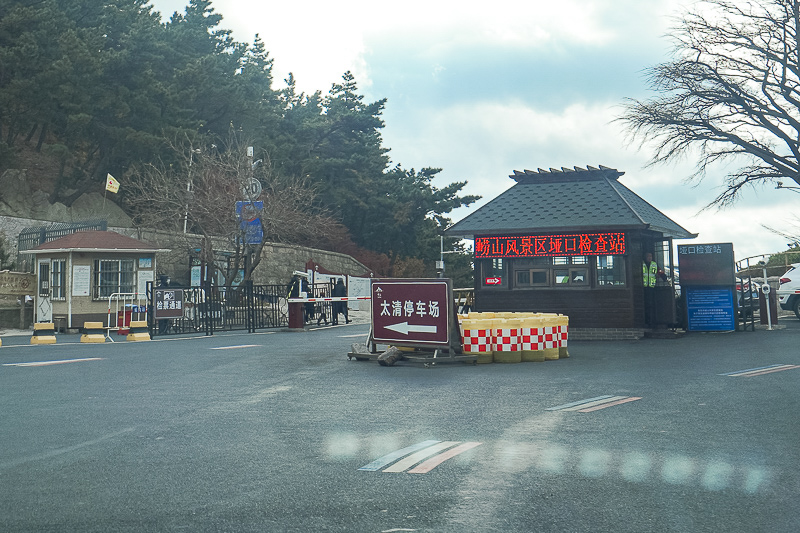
x=246 y=307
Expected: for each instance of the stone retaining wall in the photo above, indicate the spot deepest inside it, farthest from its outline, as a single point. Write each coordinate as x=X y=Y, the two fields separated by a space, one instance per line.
x=276 y=267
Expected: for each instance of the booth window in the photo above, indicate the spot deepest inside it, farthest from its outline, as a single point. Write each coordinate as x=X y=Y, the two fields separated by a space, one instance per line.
x=551 y=272
x=113 y=276
x=494 y=273
x=610 y=270
x=58 y=278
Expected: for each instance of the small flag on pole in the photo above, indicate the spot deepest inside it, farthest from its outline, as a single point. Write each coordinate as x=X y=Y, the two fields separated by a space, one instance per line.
x=112 y=184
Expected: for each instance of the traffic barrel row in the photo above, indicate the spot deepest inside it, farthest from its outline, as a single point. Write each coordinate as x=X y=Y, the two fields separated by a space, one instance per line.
x=515 y=337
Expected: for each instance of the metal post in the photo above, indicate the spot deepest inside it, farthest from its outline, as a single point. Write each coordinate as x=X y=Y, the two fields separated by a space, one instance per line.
x=765 y=289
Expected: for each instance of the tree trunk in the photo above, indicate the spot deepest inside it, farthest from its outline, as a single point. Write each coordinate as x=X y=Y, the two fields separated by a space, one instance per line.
x=42 y=136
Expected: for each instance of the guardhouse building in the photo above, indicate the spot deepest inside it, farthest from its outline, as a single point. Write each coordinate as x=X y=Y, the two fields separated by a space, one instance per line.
x=573 y=241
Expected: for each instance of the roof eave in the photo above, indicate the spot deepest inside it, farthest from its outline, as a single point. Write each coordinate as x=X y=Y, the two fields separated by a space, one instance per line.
x=96 y=250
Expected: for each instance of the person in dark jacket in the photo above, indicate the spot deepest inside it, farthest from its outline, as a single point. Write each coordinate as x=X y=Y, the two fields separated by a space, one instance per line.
x=339 y=307
x=297 y=287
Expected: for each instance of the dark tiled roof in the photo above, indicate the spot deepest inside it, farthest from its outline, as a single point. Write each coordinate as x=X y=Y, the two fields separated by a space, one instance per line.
x=95 y=241
x=566 y=200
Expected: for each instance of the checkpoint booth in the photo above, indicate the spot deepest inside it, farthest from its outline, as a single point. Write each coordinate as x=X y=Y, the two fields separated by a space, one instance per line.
x=573 y=242
x=93 y=276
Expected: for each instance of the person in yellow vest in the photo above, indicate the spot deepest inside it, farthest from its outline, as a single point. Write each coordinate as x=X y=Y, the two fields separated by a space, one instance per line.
x=650 y=274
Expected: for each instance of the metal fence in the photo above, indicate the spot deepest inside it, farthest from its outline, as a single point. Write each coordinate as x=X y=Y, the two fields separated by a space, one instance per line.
x=246 y=307
x=35 y=236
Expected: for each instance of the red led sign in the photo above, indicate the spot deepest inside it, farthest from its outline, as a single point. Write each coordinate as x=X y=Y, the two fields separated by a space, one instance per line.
x=550 y=245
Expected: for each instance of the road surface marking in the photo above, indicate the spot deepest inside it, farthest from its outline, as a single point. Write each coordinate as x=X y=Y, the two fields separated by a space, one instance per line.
x=579 y=402
x=379 y=463
x=594 y=404
x=61 y=451
x=611 y=404
x=433 y=462
x=50 y=363
x=750 y=372
x=237 y=346
x=415 y=458
x=411 y=455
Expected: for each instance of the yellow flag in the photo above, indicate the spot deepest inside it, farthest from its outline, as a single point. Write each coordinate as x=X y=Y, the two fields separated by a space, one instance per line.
x=112 y=184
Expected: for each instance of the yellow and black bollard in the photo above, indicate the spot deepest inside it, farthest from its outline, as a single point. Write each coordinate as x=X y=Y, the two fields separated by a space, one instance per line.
x=43 y=333
x=138 y=331
x=93 y=332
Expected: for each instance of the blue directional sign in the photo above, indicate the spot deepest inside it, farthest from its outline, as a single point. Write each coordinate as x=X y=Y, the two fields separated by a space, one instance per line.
x=250 y=223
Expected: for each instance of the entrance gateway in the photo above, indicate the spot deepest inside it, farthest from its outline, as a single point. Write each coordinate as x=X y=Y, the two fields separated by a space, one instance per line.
x=417 y=315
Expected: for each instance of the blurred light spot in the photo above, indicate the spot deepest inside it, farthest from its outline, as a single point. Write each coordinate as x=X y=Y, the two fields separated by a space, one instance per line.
x=514 y=457
x=342 y=445
x=677 y=470
x=552 y=459
x=594 y=463
x=717 y=476
x=635 y=467
x=755 y=480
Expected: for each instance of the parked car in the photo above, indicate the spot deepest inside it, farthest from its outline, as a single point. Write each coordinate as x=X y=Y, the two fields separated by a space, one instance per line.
x=746 y=299
x=789 y=290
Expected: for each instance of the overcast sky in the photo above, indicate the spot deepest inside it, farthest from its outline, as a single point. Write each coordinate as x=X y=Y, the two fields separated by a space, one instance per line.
x=481 y=89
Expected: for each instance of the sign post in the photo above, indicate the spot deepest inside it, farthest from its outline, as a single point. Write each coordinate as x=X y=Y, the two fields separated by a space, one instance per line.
x=418 y=314
x=168 y=303
x=708 y=283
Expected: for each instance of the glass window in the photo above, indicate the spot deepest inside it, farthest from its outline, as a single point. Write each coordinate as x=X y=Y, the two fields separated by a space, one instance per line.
x=113 y=276
x=539 y=277
x=44 y=280
x=494 y=273
x=58 y=278
x=530 y=277
x=579 y=276
x=610 y=270
x=573 y=271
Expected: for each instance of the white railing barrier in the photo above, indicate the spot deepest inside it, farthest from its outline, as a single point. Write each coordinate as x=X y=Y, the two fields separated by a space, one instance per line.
x=124 y=302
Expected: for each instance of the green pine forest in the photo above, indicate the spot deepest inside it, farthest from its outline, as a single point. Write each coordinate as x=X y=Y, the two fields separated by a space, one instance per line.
x=107 y=87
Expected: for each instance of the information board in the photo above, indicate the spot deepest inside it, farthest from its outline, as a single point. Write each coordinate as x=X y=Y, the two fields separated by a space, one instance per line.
x=17 y=283
x=413 y=312
x=81 y=280
x=710 y=308
x=706 y=264
x=168 y=303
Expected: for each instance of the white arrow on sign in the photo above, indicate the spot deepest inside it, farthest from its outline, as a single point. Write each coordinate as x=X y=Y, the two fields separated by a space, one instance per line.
x=405 y=328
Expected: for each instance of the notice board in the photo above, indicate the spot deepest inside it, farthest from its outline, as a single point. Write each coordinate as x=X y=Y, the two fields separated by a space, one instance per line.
x=710 y=309
x=708 y=281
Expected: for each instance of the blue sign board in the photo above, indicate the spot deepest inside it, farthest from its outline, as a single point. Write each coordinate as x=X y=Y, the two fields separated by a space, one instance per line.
x=248 y=213
x=710 y=308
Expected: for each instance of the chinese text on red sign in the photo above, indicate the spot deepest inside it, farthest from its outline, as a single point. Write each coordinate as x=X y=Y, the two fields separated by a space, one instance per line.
x=550 y=245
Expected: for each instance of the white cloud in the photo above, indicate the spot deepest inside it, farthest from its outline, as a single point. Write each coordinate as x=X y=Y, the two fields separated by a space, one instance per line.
x=547 y=105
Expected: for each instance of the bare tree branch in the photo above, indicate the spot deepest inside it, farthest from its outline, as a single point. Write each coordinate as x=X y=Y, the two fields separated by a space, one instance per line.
x=731 y=92
x=200 y=191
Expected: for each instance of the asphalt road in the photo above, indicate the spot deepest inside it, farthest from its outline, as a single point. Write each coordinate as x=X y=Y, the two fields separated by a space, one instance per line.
x=281 y=432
